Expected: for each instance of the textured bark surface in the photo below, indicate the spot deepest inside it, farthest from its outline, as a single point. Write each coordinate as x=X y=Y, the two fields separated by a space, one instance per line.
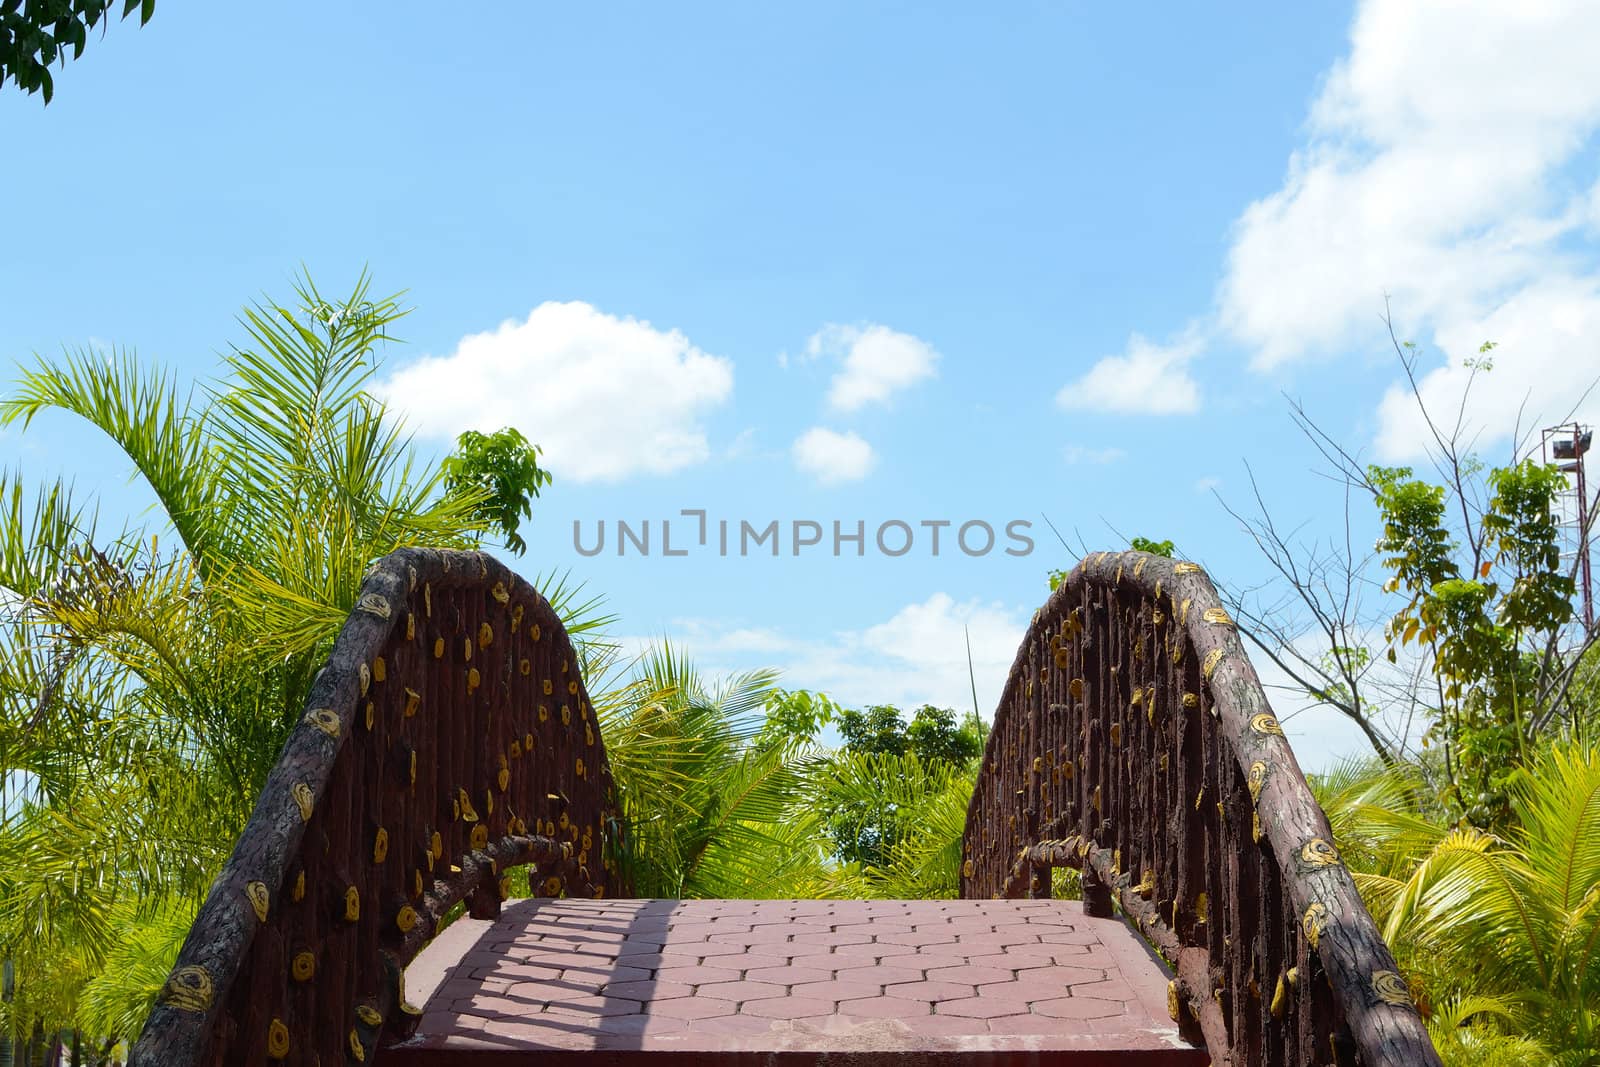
x=1134 y=741
x=448 y=740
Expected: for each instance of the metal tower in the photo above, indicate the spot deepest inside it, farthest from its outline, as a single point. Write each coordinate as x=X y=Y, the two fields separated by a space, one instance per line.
x=1565 y=446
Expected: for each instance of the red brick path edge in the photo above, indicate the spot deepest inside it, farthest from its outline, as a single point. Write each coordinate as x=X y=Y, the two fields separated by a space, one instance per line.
x=724 y=982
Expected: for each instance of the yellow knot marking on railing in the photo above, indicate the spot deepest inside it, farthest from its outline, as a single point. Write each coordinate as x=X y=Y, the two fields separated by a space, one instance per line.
x=1266 y=724
x=1315 y=922
x=304 y=966
x=501 y=594
x=413 y=702
x=277 y=1040
x=1391 y=988
x=373 y=604
x=380 y=845
x=1209 y=666
x=380 y=670
x=188 y=989
x=257 y=894
x=303 y=799
x=369 y=1015
x=357 y=1049
x=364 y=672
x=1256 y=780
x=485 y=635
x=1186 y=568
x=324 y=719
x=1217 y=617
x=1319 y=853
x=352 y=903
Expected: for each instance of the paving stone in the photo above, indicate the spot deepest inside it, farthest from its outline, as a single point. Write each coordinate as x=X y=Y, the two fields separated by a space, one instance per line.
x=884 y=1008
x=787 y=1008
x=976 y=1007
x=929 y=990
x=740 y=991
x=970 y=975
x=692 y=1008
x=788 y=975
x=1077 y=1008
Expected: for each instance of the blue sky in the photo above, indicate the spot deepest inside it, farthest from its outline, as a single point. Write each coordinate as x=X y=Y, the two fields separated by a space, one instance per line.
x=844 y=263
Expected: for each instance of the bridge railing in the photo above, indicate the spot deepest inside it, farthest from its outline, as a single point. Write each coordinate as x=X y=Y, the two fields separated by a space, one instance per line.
x=1134 y=742
x=448 y=740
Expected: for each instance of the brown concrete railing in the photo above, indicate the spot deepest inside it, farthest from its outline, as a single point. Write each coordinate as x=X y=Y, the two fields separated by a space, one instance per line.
x=448 y=740
x=1134 y=742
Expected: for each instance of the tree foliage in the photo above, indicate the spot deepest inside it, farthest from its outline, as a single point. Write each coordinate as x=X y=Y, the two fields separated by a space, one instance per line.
x=1482 y=617
x=1500 y=933
x=501 y=471
x=148 y=675
x=1455 y=627
x=37 y=33
x=867 y=825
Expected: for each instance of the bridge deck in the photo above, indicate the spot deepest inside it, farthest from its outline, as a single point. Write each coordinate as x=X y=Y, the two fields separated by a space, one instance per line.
x=738 y=981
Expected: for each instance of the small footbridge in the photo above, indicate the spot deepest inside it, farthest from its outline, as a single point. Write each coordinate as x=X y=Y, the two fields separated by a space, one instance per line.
x=450 y=740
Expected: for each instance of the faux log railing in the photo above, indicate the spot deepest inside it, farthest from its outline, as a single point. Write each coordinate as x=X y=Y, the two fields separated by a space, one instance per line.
x=449 y=739
x=1133 y=741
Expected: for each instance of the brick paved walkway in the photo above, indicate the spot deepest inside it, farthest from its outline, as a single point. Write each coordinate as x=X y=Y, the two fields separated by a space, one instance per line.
x=737 y=981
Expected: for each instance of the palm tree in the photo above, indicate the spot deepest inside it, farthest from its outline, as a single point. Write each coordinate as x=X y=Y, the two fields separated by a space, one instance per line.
x=708 y=809
x=1504 y=932
x=148 y=678
x=925 y=804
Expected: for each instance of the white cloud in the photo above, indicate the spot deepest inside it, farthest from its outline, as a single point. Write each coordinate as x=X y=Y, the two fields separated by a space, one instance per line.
x=1076 y=455
x=1147 y=379
x=1548 y=355
x=917 y=656
x=877 y=363
x=606 y=397
x=831 y=457
x=1436 y=171
x=1207 y=484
